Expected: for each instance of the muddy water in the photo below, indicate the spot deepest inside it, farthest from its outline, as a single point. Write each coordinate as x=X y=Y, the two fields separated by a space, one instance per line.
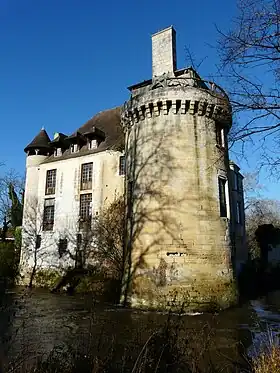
x=32 y=324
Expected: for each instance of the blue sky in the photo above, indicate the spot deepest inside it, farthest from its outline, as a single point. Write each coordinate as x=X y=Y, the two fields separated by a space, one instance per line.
x=62 y=61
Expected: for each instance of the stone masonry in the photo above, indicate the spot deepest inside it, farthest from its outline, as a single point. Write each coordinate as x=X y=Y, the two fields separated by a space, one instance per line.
x=179 y=240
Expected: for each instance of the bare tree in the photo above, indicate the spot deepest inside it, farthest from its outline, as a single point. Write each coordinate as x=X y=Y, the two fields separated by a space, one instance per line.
x=250 y=55
x=35 y=251
x=95 y=244
x=77 y=243
x=109 y=236
x=252 y=189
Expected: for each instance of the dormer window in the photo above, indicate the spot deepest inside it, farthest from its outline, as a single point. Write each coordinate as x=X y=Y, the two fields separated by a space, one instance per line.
x=74 y=148
x=93 y=144
x=57 y=152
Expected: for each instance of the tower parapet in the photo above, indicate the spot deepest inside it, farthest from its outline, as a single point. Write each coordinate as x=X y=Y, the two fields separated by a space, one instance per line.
x=178 y=95
x=178 y=195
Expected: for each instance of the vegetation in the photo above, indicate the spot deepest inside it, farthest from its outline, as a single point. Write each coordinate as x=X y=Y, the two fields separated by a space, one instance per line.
x=11 y=198
x=46 y=278
x=268 y=362
x=250 y=56
x=9 y=259
x=260 y=212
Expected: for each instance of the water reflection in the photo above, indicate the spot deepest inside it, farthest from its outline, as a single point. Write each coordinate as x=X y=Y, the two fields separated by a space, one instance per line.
x=38 y=321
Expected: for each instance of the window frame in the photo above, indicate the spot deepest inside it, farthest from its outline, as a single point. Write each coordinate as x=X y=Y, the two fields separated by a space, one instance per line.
x=122 y=165
x=50 y=187
x=49 y=210
x=92 y=144
x=74 y=148
x=57 y=152
x=87 y=183
x=88 y=209
x=220 y=135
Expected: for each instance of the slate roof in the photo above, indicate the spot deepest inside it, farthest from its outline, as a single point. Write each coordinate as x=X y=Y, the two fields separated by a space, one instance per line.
x=109 y=122
x=41 y=141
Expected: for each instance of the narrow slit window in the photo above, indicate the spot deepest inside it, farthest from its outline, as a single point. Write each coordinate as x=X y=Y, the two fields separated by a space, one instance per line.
x=220 y=136
x=122 y=165
x=238 y=213
x=222 y=197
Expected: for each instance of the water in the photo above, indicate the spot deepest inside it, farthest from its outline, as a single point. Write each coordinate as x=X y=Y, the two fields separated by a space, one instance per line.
x=31 y=324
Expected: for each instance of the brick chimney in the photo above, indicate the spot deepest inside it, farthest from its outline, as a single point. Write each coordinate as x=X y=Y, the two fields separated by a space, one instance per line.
x=164 y=52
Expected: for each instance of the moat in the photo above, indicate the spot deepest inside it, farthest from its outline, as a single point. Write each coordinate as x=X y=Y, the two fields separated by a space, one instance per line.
x=33 y=324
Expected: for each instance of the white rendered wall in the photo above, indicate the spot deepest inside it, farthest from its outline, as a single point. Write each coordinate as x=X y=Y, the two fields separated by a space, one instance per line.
x=107 y=185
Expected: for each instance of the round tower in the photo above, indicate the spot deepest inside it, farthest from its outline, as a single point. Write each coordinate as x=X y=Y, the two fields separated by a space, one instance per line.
x=36 y=152
x=178 y=199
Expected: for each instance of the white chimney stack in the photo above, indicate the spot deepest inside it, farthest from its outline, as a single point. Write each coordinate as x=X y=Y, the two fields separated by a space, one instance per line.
x=164 y=52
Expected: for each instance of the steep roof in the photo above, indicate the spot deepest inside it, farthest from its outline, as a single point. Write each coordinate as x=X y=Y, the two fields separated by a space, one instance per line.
x=41 y=141
x=107 y=122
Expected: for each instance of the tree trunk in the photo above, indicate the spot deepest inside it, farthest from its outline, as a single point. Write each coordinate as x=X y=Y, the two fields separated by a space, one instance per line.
x=32 y=276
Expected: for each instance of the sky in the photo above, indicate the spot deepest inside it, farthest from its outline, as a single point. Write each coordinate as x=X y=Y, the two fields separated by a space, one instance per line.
x=62 y=61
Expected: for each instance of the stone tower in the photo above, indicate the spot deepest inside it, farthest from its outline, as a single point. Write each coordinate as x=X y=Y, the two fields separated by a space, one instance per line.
x=178 y=187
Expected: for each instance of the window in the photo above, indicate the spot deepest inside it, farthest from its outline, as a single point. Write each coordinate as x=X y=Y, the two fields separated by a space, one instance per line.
x=50 y=182
x=238 y=213
x=74 y=148
x=62 y=247
x=86 y=176
x=85 y=206
x=92 y=144
x=122 y=165
x=222 y=197
x=235 y=181
x=220 y=135
x=48 y=218
x=57 y=152
x=239 y=183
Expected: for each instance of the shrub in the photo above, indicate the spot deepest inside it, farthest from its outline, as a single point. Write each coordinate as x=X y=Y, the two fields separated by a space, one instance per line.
x=46 y=278
x=8 y=264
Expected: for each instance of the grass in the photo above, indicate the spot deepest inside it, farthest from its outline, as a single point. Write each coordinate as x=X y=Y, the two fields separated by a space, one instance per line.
x=268 y=360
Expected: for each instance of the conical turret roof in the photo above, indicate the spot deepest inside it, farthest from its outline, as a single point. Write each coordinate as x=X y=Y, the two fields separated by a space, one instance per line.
x=41 y=141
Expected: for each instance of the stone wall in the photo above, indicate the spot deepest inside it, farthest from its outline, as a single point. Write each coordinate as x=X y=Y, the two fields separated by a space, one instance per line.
x=180 y=246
